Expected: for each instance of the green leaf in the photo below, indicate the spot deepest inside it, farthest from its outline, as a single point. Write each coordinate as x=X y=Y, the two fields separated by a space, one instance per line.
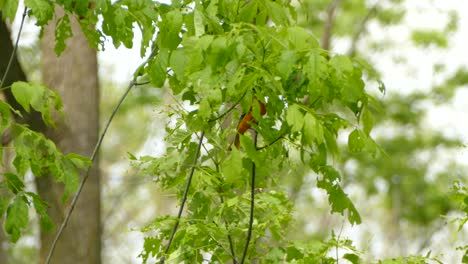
x=26 y=93
x=16 y=218
x=42 y=10
x=9 y=8
x=315 y=67
x=342 y=64
x=353 y=258
x=5 y=116
x=426 y=38
x=313 y=130
x=356 y=141
x=14 y=183
x=169 y=30
x=295 y=118
x=39 y=97
x=232 y=166
x=4 y=201
x=277 y=13
x=367 y=121
x=63 y=31
x=301 y=39
x=337 y=198
x=249 y=148
x=286 y=63
x=248 y=11
x=41 y=209
x=178 y=63
x=79 y=161
x=204 y=111
x=198 y=23
x=70 y=178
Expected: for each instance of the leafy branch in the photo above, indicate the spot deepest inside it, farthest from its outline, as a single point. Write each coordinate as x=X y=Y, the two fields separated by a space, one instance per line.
x=184 y=197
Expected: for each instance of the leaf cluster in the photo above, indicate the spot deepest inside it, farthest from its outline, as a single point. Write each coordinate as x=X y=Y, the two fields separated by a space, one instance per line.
x=34 y=153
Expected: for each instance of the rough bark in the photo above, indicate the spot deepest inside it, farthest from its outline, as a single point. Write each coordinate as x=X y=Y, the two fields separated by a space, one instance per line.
x=74 y=76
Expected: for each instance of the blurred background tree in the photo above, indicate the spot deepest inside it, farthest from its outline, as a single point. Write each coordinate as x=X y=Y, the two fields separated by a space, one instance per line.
x=403 y=197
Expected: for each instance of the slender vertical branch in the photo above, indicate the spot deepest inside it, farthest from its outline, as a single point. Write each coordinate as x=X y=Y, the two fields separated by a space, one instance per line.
x=362 y=27
x=327 y=30
x=5 y=74
x=184 y=197
x=83 y=181
x=131 y=84
x=252 y=206
x=231 y=244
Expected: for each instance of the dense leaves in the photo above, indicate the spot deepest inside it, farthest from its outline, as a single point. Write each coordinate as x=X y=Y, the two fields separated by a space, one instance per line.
x=37 y=154
x=216 y=55
x=221 y=60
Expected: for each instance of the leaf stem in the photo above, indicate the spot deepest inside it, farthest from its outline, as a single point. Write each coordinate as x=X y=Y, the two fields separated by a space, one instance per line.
x=231 y=244
x=271 y=143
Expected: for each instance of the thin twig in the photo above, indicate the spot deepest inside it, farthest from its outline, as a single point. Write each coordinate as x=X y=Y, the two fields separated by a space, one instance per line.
x=83 y=181
x=231 y=244
x=95 y=151
x=360 y=30
x=271 y=143
x=252 y=207
x=337 y=243
x=14 y=48
x=229 y=110
x=142 y=83
x=184 y=198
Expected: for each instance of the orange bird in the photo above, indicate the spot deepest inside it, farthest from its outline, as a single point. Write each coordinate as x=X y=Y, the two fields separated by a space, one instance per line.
x=244 y=123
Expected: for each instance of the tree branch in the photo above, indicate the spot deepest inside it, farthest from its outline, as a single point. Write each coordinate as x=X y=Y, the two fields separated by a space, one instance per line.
x=327 y=30
x=184 y=198
x=362 y=27
x=252 y=206
x=83 y=181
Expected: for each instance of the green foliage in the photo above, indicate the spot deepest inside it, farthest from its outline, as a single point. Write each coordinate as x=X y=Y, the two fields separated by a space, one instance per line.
x=427 y=38
x=411 y=260
x=62 y=32
x=460 y=196
x=221 y=58
x=42 y=10
x=8 y=8
x=16 y=217
x=35 y=153
x=39 y=98
x=214 y=54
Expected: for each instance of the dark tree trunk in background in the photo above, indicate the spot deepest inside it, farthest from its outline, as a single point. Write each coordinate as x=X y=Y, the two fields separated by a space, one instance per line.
x=15 y=74
x=74 y=76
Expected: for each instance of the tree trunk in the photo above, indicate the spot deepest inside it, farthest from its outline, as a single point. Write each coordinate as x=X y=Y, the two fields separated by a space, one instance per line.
x=74 y=76
x=14 y=74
